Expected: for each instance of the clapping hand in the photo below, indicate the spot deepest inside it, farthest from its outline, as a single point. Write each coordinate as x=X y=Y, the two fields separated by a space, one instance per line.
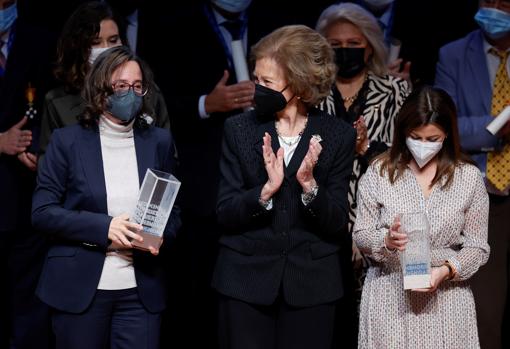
x=304 y=174
x=404 y=73
x=361 y=135
x=28 y=159
x=274 y=167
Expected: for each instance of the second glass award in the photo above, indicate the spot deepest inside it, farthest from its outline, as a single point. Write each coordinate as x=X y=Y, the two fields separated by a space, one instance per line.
x=155 y=201
x=415 y=259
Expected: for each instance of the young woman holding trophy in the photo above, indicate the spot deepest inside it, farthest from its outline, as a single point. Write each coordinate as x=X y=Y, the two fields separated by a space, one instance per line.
x=423 y=171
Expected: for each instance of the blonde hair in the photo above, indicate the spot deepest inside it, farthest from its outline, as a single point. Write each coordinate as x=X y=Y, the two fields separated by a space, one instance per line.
x=366 y=23
x=305 y=57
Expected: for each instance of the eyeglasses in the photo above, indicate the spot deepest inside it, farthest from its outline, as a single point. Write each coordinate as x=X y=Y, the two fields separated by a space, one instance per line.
x=121 y=88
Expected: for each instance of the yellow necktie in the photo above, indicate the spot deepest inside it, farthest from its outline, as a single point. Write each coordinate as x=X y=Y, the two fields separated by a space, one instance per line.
x=498 y=163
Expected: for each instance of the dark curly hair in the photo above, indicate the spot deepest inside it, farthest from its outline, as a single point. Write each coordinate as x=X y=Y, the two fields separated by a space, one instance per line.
x=77 y=36
x=98 y=85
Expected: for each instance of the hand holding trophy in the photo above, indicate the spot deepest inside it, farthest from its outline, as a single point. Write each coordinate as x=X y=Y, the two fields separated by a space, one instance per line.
x=415 y=259
x=155 y=202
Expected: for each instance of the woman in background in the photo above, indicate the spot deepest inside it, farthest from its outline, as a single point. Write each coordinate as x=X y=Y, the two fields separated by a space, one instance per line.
x=367 y=97
x=90 y=30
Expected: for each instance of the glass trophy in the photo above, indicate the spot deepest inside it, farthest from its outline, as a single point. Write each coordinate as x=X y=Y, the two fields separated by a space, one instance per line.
x=415 y=259
x=155 y=201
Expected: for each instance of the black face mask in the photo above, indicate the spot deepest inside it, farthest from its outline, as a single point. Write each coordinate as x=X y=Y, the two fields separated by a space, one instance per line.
x=350 y=61
x=268 y=101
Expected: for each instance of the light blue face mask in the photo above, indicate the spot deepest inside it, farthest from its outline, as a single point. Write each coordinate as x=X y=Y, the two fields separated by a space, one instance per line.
x=124 y=107
x=233 y=6
x=495 y=23
x=8 y=16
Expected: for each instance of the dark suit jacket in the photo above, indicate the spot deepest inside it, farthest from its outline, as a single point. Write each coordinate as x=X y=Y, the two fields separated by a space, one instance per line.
x=190 y=70
x=291 y=247
x=28 y=61
x=69 y=205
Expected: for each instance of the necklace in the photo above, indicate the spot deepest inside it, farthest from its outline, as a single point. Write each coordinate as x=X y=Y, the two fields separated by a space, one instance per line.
x=352 y=98
x=296 y=138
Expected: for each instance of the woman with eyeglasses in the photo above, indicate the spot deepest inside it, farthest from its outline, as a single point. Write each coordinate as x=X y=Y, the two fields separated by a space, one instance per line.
x=102 y=291
x=92 y=29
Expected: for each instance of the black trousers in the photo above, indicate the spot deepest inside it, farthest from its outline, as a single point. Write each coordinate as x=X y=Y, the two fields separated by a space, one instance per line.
x=277 y=326
x=490 y=284
x=115 y=319
x=24 y=320
x=191 y=313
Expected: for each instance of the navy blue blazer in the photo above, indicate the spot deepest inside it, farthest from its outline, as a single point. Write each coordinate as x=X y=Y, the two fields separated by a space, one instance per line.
x=69 y=205
x=291 y=249
x=462 y=72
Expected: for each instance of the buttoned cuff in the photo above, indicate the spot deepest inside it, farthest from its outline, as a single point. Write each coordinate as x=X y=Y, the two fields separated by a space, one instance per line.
x=201 y=108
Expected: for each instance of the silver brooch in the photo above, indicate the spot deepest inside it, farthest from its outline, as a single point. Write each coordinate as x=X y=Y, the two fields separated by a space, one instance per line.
x=148 y=119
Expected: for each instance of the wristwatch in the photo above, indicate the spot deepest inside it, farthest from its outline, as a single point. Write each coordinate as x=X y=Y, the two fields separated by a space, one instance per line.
x=310 y=195
x=266 y=203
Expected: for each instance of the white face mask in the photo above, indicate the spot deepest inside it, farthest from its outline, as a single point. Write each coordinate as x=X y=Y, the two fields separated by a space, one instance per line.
x=423 y=152
x=95 y=52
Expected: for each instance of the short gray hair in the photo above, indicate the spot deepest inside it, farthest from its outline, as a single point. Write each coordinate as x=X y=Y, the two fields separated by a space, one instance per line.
x=306 y=58
x=366 y=23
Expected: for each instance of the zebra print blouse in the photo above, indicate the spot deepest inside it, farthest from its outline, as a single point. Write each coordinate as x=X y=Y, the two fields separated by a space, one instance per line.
x=383 y=99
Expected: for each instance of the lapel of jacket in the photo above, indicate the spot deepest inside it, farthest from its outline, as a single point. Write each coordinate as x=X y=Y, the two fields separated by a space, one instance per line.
x=145 y=153
x=478 y=65
x=92 y=162
x=312 y=128
x=269 y=127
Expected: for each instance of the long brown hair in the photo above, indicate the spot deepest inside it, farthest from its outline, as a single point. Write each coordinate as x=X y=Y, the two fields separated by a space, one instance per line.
x=426 y=105
x=76 y=39
x=97 y=86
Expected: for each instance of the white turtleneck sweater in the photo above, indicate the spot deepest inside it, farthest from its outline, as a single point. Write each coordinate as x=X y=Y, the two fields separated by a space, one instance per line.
x=122 y=185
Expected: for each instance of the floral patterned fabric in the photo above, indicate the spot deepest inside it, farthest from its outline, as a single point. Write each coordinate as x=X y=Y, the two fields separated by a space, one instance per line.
x=392 y=317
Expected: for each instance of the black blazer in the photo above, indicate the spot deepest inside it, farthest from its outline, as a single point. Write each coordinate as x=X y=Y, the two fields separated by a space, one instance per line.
x=69 y=205
x=184 y=74
x=291 y=249
x=28 y=62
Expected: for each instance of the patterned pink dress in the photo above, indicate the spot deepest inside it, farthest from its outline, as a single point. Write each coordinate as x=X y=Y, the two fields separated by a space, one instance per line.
x=397 y=319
